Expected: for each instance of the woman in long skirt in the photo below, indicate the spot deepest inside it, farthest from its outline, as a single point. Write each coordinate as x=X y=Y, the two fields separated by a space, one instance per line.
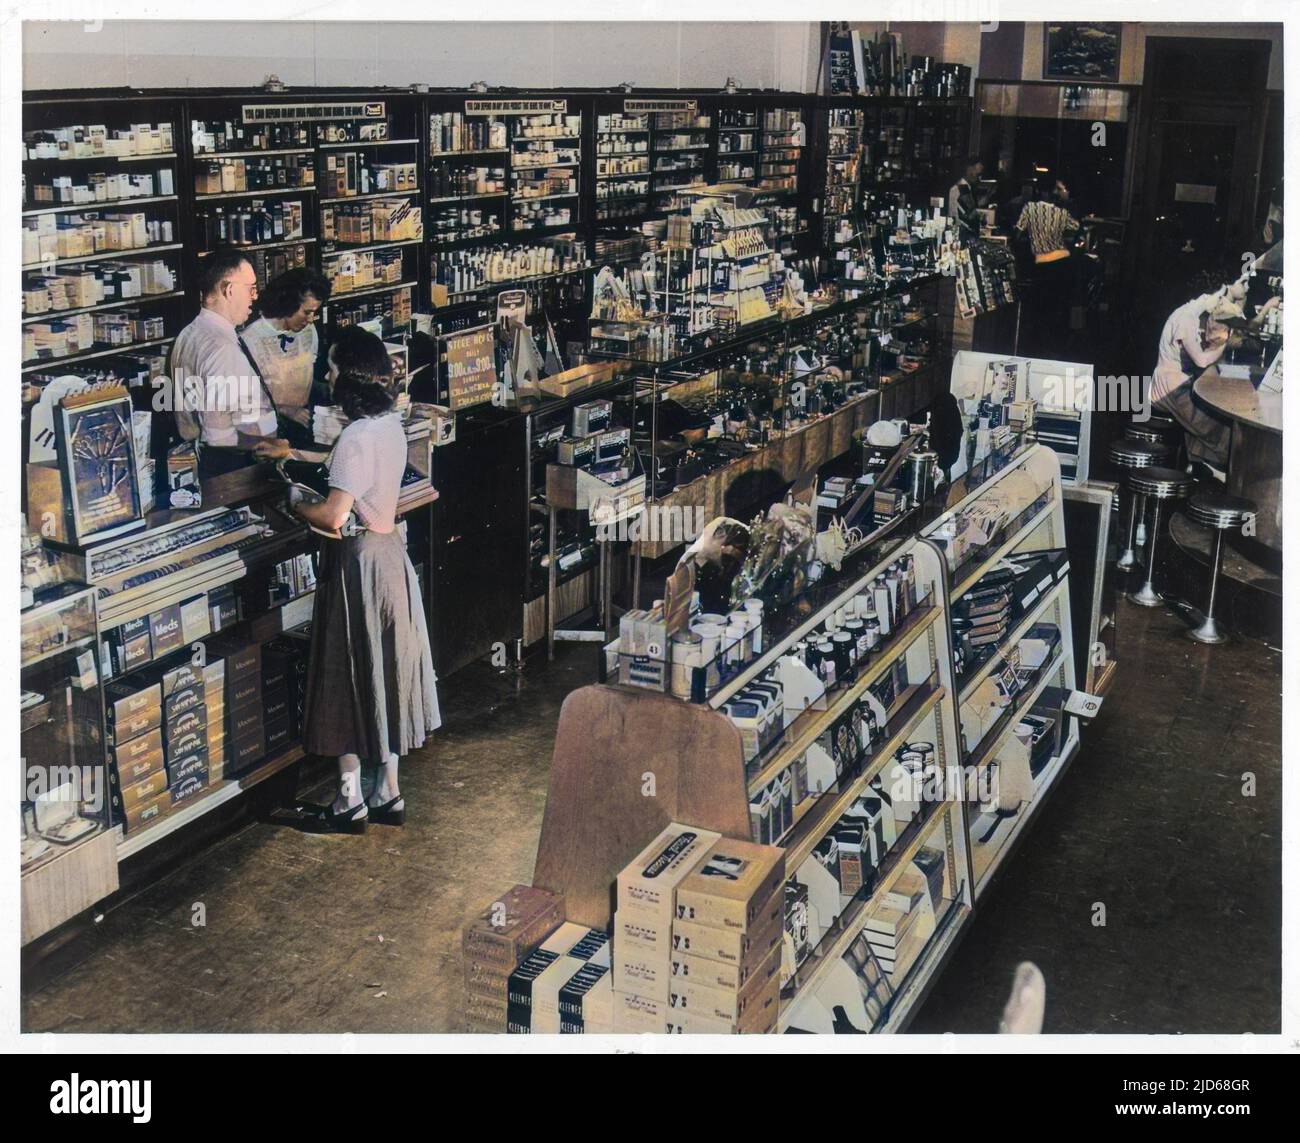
x=371 y=691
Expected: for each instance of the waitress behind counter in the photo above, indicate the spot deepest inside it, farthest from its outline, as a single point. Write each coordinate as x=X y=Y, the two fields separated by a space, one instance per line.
x=284 y=344
x=371 y=692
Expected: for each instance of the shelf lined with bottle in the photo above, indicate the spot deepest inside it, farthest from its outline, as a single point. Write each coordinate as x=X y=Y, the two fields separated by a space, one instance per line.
x=680 y=142
x=843 y=129
x=738 y=144
x=782 y=148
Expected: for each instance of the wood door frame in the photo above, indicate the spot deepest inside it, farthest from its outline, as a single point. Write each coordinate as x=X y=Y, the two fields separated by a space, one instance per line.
x=1244 y=111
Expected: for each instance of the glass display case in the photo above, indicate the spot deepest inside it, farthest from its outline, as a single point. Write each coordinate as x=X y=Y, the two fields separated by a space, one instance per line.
x=65 y=793
x=1013 y=645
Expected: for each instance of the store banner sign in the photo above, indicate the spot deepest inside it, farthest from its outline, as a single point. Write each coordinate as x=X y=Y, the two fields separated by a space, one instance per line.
x=641 y=106
x=515 y=106
x=288 y=112
x=471 y=369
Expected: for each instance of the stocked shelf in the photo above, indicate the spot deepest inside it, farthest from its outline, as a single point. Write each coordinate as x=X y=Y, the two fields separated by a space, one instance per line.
x=230 y=788
x=335 y=249
x=104 y=256
x=277 y=244
x=102 y=306
x=371 y=195
x=368 y=143
x=848 y=925
x=216 y=156
x=107 y=204
x=804 y=835
x=811 y=724
x=341 y=294
x=117 y=351
x=305 y=188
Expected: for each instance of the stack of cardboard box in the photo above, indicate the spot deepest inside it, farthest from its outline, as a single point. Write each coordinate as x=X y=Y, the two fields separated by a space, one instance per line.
x=725 y=972
x=495 y=942
x=563 y=986
x=643 y=926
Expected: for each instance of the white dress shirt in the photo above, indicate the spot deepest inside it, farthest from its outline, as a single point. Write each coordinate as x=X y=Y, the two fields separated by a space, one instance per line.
x=219 y=394
x=1181 y=350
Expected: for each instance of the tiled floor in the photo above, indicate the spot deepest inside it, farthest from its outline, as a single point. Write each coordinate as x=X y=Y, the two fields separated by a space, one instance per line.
x=330 y=934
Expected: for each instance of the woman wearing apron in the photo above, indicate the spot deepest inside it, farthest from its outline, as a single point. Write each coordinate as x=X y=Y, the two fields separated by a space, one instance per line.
x=371 y=692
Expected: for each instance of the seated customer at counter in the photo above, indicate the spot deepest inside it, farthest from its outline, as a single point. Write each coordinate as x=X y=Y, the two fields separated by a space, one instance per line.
x=1194 y=338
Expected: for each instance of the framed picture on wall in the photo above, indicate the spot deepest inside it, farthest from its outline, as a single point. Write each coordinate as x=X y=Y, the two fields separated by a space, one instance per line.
x=1081 y=51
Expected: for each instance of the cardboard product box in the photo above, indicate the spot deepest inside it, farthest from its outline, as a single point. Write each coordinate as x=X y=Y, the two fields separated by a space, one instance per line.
x=713 y=974
x=181 y=677
x=242 y=753
x=124 y=797
x=575 y=946
x=760 y=1018
x=179 y=704
x=214 y=678
x=740 y=1007
x=131 y=711
x=139 y=750
x=189 y=787
x=509 y=928
x=649 y=881
x=746 y=950
x=733 y=886
x=189 y=724
x=241 y=657
x=276 y=705
x=223 y=608
x=165 y=630
x=586 y=1001
x=279 y=734
x=245 y=722
x=147 y=813
x=520 y=986
x=132 y=645
x=243 y=693
x=642 y=953
x=184 y=765
x=182 y=745
x=635 y=1014
x=196 y=619
x=486 y=1014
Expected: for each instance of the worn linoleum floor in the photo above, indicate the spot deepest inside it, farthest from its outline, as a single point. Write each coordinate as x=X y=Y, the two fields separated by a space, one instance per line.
x=361 y=934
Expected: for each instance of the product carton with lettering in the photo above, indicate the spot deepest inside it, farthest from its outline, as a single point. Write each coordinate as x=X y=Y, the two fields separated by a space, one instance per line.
x=733 y=887
x=505 y=931
x=649 y=882
x=745 y=1008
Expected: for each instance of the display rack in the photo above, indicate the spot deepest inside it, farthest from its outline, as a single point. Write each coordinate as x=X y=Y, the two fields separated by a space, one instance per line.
x=1013 y=698
x=851 y=961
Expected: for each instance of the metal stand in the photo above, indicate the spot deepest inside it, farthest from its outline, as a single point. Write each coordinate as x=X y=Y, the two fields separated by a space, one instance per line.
x=1128 y=557
x=1209 y=631
x=1146 y=596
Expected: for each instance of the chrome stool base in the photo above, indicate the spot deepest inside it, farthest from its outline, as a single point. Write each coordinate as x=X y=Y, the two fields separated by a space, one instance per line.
x=1146 y=596
x=1127 y=560
x=1208 y=631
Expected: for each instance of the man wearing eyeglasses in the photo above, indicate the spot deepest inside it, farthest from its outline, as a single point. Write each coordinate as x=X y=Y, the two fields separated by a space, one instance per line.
x=222 y=400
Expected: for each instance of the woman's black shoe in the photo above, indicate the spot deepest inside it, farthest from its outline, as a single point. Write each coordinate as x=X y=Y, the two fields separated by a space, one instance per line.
x=349 y=821
x=390 y=813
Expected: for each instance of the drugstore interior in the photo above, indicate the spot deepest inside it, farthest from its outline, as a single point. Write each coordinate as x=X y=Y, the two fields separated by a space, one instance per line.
x=620 y=310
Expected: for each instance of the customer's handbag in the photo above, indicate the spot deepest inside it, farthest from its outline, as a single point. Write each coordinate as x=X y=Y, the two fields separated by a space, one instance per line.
x=310 y=481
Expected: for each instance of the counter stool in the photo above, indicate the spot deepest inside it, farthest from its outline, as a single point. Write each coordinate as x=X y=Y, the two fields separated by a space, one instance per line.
x=1128 y=454
x=1159 y=428
x=1222 y=513
x=1157 y=484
